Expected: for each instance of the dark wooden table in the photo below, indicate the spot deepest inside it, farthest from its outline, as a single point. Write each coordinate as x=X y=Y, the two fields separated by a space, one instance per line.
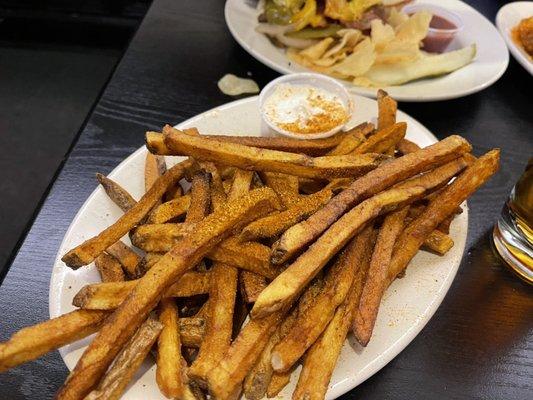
x=479 y=344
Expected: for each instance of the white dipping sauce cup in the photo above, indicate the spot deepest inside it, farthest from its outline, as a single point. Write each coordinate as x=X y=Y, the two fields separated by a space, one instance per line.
x=269 y=128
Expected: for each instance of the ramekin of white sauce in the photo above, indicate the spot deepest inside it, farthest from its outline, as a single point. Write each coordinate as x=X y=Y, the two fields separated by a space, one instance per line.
x=304 y=106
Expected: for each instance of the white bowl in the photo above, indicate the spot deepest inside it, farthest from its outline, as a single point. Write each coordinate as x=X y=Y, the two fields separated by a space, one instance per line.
x=268 y=128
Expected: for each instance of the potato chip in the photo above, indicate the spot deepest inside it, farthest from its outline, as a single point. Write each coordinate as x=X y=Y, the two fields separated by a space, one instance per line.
x=316 y=51
x=398 y=52
x=415 y=28
x=349 y=38
x=233 y=85
x=358 y=62
x=396 y=18
x=329 y=61
x=430 y=65
x=381 y=34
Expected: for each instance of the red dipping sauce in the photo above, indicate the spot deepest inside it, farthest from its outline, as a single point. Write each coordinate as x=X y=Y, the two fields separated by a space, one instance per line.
x=442 y=28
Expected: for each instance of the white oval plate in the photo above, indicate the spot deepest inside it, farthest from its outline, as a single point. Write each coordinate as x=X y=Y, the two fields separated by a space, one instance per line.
x=408 y=304
x=489 y=65
x=507 y=18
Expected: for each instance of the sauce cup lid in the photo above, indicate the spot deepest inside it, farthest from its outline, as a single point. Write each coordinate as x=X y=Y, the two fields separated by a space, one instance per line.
x=308 y=79
x=438 y=11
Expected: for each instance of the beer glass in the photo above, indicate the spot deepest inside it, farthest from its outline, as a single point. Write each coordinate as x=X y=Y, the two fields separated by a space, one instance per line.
x=513 y=233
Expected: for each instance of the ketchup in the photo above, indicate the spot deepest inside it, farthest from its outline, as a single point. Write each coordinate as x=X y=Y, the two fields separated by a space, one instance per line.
x=441 y=33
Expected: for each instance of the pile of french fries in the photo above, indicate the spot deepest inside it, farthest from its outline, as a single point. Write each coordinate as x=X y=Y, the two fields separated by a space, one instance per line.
x=277 y=249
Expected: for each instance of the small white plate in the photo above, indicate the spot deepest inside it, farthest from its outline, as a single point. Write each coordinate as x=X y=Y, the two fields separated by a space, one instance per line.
x=507 y=18
x=406 y=308
x=489 y=65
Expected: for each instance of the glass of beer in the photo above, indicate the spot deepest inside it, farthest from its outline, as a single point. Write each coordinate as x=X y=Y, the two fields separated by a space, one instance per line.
x=513 y=233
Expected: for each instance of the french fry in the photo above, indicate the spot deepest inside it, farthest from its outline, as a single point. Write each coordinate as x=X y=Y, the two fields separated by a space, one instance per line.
x=173 y=192
x=109 y=295
x=222 y=296
x=242 y=181
x=192 y=330
x=383 y=139
x=225 y=380
x=290 y=282
x=116 y=193
x=33 y=341
x=438 y=242
x=220 y=322
x=405 y=146
x=109 y=268
x=127 y=363
x=251 y=285
x=169 y=374
x=86 y=252
x=441 y=207
x=278 y=381
x=143 y=298
x=320 y=360
x=387 y=108
x=305 y=232
x=317 y=147
x=251 y=256
x=129 y=259
x=170 y=210
x=285 y=186
x=154 y=168
x=310 y=186
x=200 y=203
x=277 y=223
x=218 y=193
x=353 y=139
x=257 y=380
x=310 y=324
x=256 y=159
x=376 y=282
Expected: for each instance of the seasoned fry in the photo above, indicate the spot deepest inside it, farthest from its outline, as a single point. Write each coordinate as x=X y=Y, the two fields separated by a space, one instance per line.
x=318 y=147
x=290 y=282
x=220 y=323
x=383 y=139
x=321 y=358
x=251 y=256
x=251 y=285
x=129 y=259
x=310 y=324
x=109 y=268
x=109 y=295
x=305 y=232
x=192 y=330
x=169 y=210
x=154 y=168
x=159 y=237
x=222 y=295
x=285 y=186
x=278 y=381
x=441 y=207
x=242 y=181
x=183 y=256
x=353 y=138
x=257 y=380
x=218 y=193
x=200 y=203
x=252 y=158
x=127 y=363
x=86 y=252
x=277 y=223
x=169 y=374
x=33 y=341
x=405 y=146
x=376 y=282
x=116 y=193
x=225 y=380
x=387 y=108
x=438 y=242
